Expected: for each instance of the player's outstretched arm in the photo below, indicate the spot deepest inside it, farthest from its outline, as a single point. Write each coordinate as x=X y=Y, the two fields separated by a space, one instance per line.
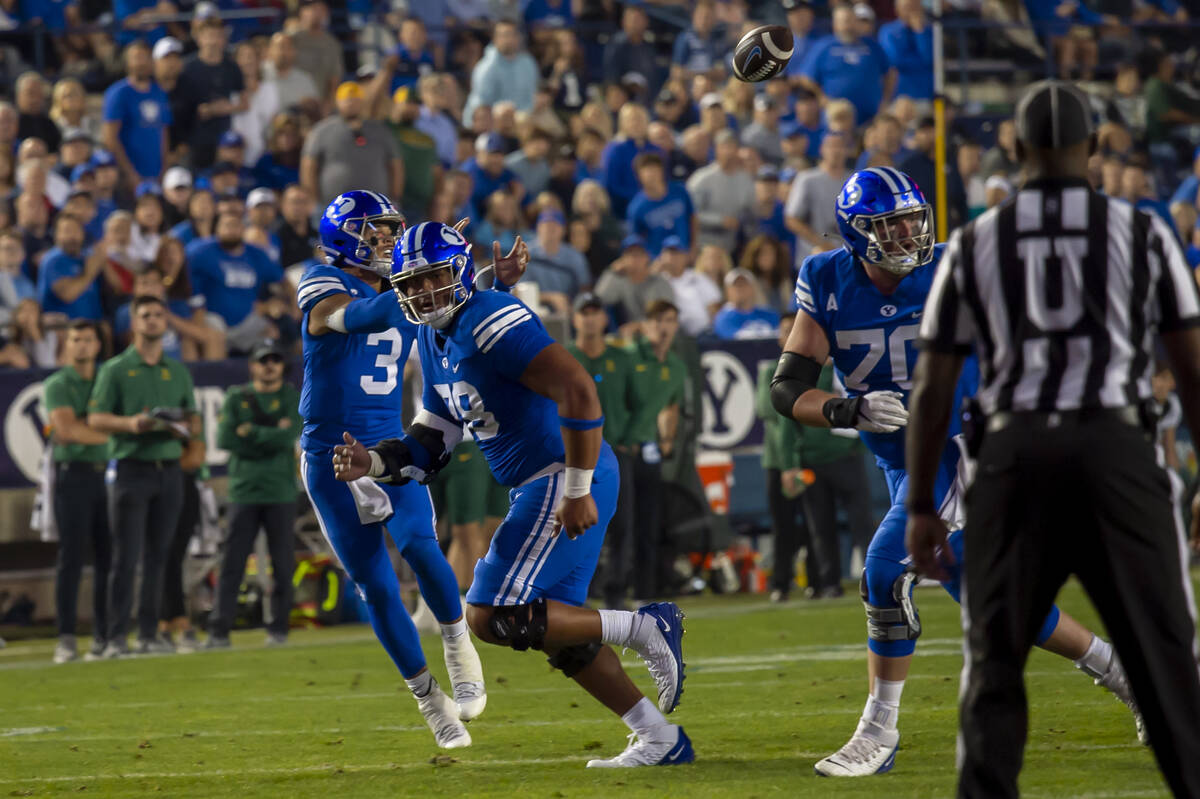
x=341 y=313
x=555 y=374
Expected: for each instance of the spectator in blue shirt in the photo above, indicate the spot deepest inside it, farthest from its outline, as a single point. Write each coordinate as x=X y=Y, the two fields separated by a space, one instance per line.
x=743 y=316
x=1188 y=189
x=411 y=59
x=488 y=172
x=279 y=166
x=67 y=283
x=660 y=209
x=882 y=143
x=616 y=164
x=506 y=72
x=434 y=119
x=132 y=14
x=136 y=116
x=700 y=48
x=768 y=216
x=1135 y=187
x=548 y=14
x=201 y=216
x=849 y=66
x=53 y=14
x=15 y=287
x=908 y=42
x=800 y=19
x=232 y=277
x=556 y=267
x=628 y=50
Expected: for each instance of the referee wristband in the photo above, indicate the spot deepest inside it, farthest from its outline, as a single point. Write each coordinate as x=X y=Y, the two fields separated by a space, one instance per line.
x=581 y=424
x=579 y=482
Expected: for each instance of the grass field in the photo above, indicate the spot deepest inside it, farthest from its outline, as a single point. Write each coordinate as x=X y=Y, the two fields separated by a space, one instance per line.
x=770 y=690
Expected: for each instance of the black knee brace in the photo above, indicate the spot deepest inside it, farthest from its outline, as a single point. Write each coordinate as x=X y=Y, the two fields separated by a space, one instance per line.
x=520 y=626
x=571 y=660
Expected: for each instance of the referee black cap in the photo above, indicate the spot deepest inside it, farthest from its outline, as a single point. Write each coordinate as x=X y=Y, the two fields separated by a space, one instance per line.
x=1053 y=114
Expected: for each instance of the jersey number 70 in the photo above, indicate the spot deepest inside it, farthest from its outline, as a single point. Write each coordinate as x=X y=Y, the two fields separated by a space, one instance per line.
x=877 y=341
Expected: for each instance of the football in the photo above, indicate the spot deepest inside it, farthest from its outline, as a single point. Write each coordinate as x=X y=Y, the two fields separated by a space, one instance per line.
x=762 y=53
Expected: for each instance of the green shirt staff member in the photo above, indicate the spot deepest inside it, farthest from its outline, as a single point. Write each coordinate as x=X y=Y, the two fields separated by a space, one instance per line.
x=80 y=504
x=612 y=369
x=657 y=388
x=144 y=499
x=260 y=424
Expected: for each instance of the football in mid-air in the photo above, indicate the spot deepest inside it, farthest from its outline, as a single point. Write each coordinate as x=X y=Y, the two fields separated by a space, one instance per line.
x=762 y=53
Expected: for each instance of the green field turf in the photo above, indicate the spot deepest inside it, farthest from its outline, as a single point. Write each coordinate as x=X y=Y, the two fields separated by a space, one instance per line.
x=770 y=690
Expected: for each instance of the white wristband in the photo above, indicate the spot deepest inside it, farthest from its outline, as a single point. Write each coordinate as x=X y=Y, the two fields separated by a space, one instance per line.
x=376 y=469
x=579 y=482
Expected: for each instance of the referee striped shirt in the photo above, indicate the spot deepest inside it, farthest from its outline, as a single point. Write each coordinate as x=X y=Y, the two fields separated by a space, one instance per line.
x=1060 y=290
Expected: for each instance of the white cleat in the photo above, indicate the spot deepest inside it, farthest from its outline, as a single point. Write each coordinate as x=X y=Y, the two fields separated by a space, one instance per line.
x=466 y=676
x=675 y=750
x=441 y=714
x=65 y=652
x=863 y=755
x=662 y=651
x=1117 y=683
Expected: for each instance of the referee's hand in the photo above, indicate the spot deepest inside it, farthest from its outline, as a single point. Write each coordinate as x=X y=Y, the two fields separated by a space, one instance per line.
x=925 y=537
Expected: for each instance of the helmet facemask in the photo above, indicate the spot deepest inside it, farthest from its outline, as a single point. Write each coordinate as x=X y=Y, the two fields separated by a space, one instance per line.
x=431 y=294
x=898 y=241
x=375 y=236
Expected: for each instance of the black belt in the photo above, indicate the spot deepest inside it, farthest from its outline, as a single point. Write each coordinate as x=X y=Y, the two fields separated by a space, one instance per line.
x=160 y=465
x=81 y=466
x=1050 y=420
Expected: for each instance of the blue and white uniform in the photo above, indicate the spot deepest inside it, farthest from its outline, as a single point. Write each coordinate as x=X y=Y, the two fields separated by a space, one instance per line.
x=352 y=383
x=872 y=342
x=472 y=372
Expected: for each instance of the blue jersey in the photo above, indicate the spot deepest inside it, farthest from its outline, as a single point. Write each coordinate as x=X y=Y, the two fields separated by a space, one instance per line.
x=872 y=335
x=352 y=382
x=472 y=373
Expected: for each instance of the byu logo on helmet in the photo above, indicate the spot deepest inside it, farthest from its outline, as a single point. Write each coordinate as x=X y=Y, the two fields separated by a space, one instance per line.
x=885 y=221
x=433 y=273
x=358 y=229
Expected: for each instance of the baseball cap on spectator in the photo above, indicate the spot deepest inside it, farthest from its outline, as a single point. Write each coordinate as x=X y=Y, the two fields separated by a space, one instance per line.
x=78 y=193
x=403 y=95
x=587 y=300
x=261 y=196
x=489 y=143
x=635 y=79
x=223 y=168
x=737 y=273
x=147 y=187
x=366 y=71
x=666 y=96
x=348 y=90
x=76 y=134
x=102 y=158
x=231 y=138
x=264 y=349
x=673 y=243
x=206 y=9
x=82 y=171
x=763 y=102
x=767 y=172
x=864 y=12
x=791 y=129
x=792 y=5
x=177 y=177
x=631 y=241
x=169 y=45
x=709 y=100
x=787 y=174
x=552 y=215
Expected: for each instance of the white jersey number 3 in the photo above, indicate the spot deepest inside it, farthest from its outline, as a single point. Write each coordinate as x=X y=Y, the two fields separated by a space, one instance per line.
x=463 y=400
x=385 y=361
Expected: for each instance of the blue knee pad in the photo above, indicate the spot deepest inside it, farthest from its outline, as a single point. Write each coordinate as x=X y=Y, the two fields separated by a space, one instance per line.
x=881 y=579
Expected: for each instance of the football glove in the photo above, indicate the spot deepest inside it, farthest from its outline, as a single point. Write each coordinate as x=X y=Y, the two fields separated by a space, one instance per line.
x=873 y=412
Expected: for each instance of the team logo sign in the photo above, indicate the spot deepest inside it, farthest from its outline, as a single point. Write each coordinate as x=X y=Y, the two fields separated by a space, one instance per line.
x=728 y=400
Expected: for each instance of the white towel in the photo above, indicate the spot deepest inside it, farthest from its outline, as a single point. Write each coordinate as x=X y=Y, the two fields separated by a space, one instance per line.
x=42 y=518
x=374 y=505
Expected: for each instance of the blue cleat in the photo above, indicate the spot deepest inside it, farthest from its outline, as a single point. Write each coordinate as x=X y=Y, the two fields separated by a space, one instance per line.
x=675 y=751
x=661 y=647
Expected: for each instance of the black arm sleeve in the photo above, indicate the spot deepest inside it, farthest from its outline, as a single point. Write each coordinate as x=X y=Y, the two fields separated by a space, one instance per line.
x=795 y=375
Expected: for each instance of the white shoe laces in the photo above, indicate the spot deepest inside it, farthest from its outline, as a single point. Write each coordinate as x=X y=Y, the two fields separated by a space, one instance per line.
x=859 y=749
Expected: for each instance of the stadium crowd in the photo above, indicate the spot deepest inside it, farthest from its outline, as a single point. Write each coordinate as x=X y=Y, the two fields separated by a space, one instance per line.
x=183 y=152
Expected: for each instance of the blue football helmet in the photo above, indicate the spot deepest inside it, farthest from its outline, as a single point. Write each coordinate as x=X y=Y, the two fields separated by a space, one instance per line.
x=359 y=229
x=885 y=220
x=433 y=273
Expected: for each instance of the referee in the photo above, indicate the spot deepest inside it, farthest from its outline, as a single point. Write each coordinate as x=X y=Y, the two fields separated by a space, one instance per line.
x=1060 y=291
